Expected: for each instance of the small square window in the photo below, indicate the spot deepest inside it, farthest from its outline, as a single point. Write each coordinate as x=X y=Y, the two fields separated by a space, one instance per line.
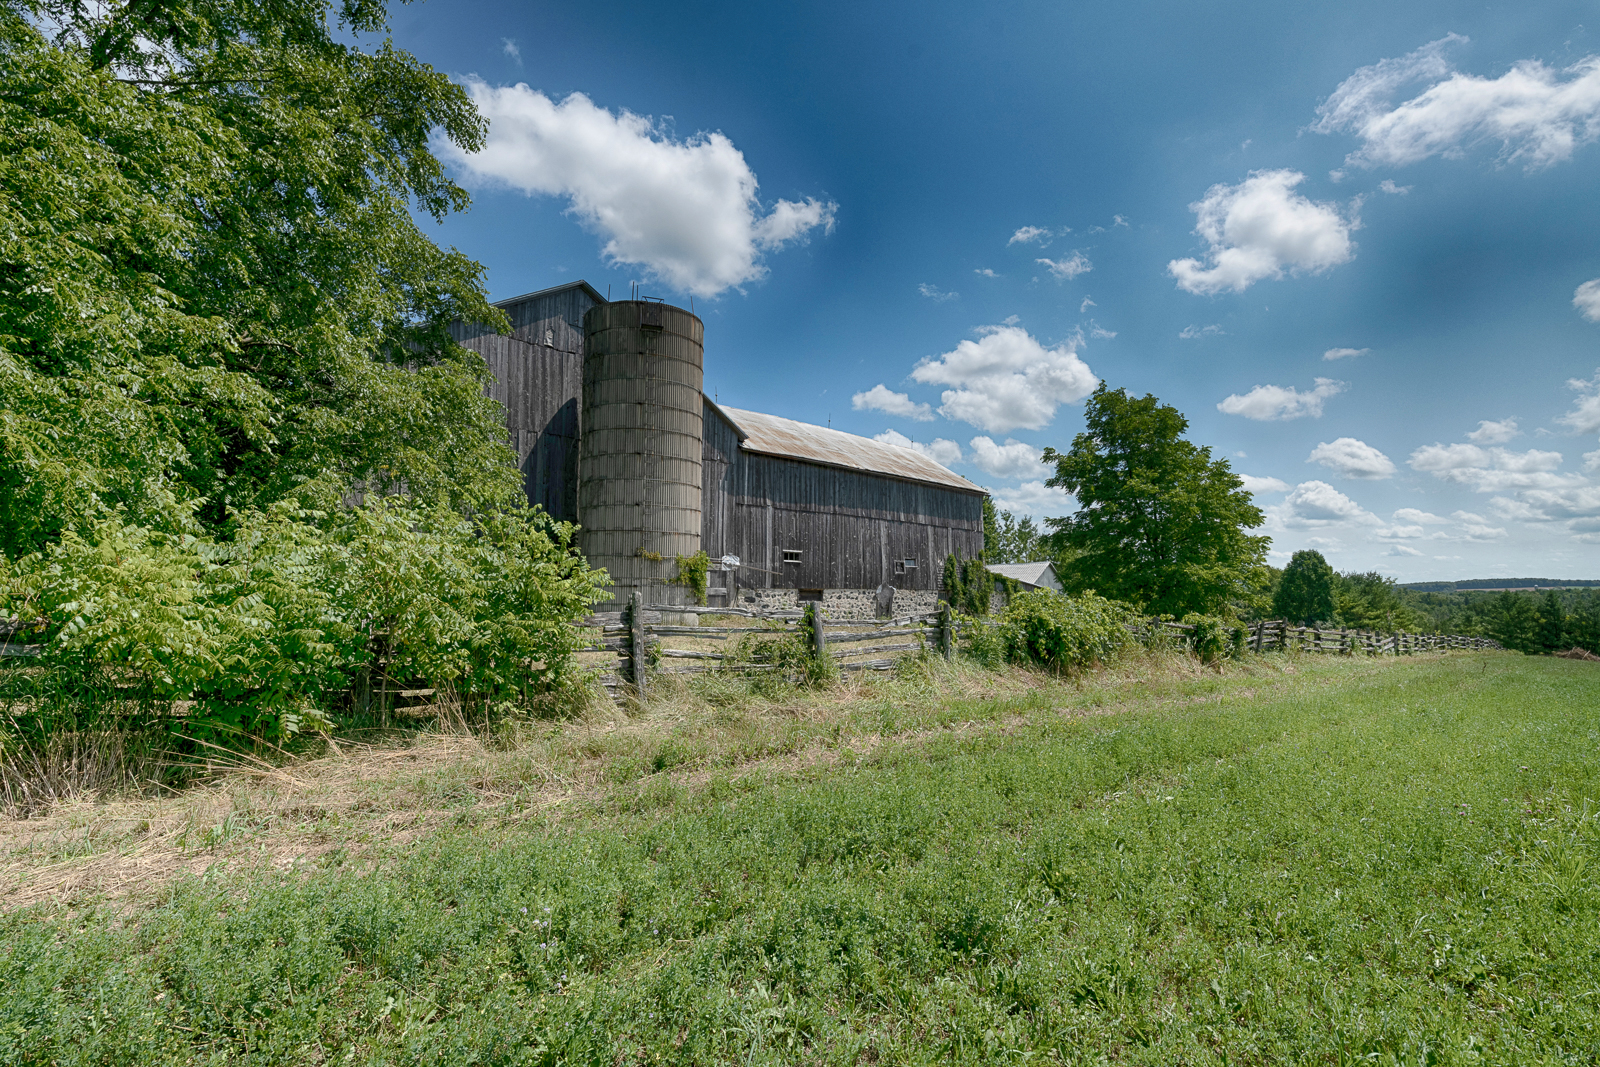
x=908 y=564
x=791 y=555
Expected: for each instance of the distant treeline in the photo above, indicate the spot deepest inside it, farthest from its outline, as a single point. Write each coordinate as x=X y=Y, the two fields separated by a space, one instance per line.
x=1523 y=619
x=1503 y=583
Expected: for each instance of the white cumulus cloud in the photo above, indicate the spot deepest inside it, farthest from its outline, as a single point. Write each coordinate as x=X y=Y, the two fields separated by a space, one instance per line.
x=1402 y=550
x=1317 y=504
x=1069 y=268
x=1259 y=229
x=1388 y=186
x=1586 y=298
x=940 y=450
x=686 y=211
x=1413 y=515
x=1352 y=459
x=1007 y=380
x=1537 y=114
x=1493 y=470
x=1585 y=414
x=1344 y=353
x=1014 y=459
x=1276 y=403
x=881 y=398
x=1494 y=433
x=1034 y=498
x=1028 y=235
x=933 y=292
x=1254 y=484
x=1400 y=532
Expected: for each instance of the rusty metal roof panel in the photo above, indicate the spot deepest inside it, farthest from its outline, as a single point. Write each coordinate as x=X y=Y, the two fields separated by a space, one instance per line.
x=772 y=436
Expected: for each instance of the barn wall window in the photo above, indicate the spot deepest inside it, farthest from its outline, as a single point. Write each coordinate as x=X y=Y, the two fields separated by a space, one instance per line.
x=791 y=555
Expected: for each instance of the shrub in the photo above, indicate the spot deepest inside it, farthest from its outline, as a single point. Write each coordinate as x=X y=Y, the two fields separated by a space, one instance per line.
x=1213 y=637
x=967 y=585
x=261 y=636
x=1062 y=633
x=786 y=652
x=981 y=642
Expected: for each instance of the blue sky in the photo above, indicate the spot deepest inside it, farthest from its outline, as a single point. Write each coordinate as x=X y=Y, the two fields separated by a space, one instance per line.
x=1349 y=242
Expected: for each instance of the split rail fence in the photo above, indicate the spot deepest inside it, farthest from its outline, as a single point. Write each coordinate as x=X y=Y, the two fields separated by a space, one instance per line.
x=645 y=645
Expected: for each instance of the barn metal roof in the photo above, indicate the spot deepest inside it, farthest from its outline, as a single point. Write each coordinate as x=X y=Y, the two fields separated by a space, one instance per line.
x=772 y=436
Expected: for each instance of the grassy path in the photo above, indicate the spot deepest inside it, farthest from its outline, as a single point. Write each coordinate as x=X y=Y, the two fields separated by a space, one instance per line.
x=1374 y=865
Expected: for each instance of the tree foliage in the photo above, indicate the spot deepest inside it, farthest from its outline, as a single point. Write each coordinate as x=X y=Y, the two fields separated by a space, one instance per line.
x=1305 y=592
x=1160 y=524
x=1372 y=601
x=224 y=340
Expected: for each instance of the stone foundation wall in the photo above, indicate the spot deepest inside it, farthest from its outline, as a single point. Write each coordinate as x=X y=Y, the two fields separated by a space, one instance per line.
x=851 y=604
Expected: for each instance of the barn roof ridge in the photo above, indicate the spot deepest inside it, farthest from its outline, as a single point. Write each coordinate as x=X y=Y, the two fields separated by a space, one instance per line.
x=774 y=435
x=579 y=284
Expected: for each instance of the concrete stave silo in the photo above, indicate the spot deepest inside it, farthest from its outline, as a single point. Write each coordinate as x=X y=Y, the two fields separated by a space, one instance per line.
x=640 y=450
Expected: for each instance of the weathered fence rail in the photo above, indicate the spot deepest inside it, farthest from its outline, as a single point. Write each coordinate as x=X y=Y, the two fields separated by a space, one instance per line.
x=639 y=639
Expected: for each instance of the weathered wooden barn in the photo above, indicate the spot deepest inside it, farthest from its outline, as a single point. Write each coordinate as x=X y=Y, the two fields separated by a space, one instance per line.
x=798 y=512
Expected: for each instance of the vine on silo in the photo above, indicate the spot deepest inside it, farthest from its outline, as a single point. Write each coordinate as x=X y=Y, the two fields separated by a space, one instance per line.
x=692 y=573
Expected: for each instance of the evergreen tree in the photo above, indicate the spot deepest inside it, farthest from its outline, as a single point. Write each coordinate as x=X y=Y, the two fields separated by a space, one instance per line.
x=1552 y=630
x=1514 y=622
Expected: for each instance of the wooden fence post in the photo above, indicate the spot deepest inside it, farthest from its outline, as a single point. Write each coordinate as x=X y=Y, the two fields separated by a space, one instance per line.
x=638 y=648
x=946 y=631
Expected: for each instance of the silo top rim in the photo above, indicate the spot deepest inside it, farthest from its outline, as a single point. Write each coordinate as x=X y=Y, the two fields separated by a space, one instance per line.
x=774 y=436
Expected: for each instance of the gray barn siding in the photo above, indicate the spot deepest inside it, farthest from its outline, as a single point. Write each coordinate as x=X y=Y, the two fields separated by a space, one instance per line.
x=850 y=526
x=538 y=377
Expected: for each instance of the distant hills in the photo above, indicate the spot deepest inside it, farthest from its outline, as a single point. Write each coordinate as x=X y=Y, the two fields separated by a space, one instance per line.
x=1491 y=585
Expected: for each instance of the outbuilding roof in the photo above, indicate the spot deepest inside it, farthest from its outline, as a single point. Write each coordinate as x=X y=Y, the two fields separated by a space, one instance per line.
x=1041 y=575
x=773 y=436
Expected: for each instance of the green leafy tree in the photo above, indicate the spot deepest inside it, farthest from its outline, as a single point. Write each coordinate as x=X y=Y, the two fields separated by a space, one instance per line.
x=215 y=294
x=242 y=461
x=1305 y=593
x=1161 y=524
x=1371 y=601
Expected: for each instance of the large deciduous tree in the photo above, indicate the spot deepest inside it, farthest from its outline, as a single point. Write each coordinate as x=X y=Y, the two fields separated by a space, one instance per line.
x=241 y=457
x=1305 y=593
x=1160 y=523
x=211 y=284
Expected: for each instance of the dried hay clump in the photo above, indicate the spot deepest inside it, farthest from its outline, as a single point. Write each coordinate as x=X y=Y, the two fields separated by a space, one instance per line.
x=1579 y=653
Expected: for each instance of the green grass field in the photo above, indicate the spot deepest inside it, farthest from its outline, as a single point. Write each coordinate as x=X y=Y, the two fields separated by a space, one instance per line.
x=1392 y=863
